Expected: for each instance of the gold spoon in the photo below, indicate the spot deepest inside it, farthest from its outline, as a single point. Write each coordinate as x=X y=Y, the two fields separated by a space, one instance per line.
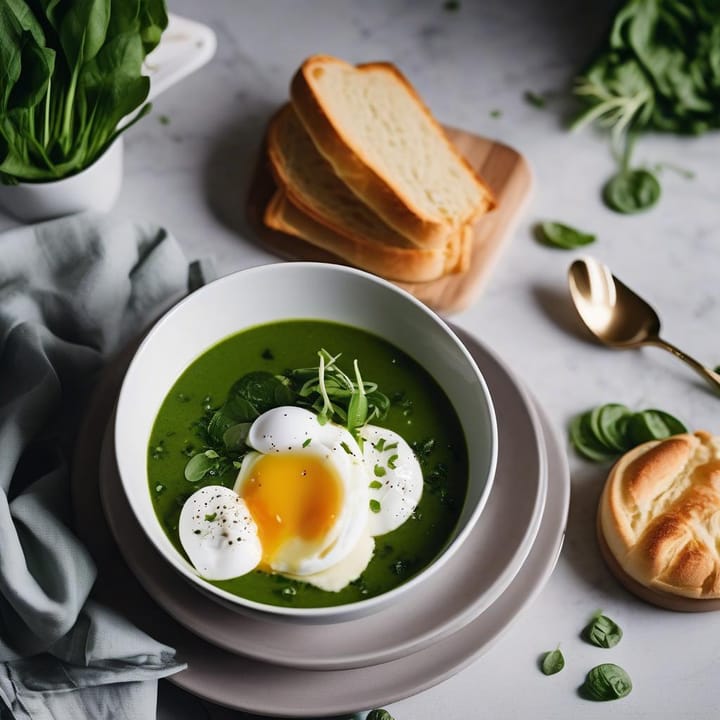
x=618 y=317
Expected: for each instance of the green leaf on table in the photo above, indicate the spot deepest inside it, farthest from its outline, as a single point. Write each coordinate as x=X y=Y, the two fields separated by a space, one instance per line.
x=607 y=431
x=606 y=682
x=653 y=425
x=379 y=714
x=601 y=631
x=552 y=662
x=563 y=236
x=631 y=191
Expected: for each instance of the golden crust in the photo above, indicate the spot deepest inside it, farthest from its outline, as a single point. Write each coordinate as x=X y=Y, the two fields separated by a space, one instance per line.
x=393 y=263
x=660 y=515
x=374 y=189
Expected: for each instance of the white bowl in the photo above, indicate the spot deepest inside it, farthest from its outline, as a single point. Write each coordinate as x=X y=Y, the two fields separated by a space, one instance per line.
x=300 y=291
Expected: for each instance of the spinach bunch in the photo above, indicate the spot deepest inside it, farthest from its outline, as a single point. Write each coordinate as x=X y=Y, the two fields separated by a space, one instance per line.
x=659 y=70
x=70 y=71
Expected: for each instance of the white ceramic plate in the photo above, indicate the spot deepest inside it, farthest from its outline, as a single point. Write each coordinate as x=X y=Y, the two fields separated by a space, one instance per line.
x=481 y=569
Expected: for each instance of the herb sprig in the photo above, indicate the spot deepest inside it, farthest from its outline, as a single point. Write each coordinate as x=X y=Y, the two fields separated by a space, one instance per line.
x=325 y=389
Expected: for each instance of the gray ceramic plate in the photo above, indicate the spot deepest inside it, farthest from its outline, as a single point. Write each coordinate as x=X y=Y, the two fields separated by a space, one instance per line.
x=247 y=684
x=469 y=582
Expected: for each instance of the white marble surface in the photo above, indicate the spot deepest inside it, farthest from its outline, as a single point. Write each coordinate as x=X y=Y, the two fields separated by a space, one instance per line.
x=192 y=173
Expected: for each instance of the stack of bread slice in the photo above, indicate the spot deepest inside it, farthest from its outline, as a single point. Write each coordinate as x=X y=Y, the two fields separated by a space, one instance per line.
x=366 y=173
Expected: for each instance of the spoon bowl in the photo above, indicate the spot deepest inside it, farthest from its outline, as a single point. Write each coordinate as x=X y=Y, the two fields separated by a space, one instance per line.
x=617 y=316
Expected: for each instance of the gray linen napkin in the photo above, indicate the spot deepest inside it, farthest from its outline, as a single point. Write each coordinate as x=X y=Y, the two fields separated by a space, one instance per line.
x=72 y=292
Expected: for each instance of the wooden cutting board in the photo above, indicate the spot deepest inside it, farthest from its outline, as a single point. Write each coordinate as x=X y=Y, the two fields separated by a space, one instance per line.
x=504 y=169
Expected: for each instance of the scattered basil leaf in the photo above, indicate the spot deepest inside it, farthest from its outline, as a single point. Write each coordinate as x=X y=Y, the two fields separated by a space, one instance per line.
x=606 y=682
x=607 y=431
x=552 y=662
x=563 y=236
x=631 y=191
x=601 y=631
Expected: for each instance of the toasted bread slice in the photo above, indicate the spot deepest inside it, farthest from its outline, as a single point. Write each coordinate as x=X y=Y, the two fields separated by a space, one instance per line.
x=388 y=261
x=312 y=185
x=384 y=144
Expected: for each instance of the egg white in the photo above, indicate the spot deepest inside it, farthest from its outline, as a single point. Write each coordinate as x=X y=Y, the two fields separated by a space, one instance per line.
x=218 y=533
x=395 y=479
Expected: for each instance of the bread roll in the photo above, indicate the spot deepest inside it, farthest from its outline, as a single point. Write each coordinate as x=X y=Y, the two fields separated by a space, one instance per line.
x=659 y=515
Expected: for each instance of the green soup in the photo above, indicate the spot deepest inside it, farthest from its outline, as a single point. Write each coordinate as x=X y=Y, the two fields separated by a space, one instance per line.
x=419 y=411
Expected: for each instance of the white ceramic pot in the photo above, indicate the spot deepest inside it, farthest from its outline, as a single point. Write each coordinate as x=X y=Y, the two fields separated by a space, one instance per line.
x=95 y=188
x=185 y=46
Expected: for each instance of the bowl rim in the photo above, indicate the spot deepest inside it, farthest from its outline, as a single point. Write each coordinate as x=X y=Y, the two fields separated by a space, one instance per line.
x=332 y=613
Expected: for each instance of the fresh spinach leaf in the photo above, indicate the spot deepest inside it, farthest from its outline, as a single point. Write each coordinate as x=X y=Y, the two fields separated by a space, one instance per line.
x=603 y=433
x=601 y=631
x=71 y=74
x=379 y=714
x=606 y=682
x=198 y=467
x=552 y=662
x=564 y=236
x=653 y=425
x=659 y=69
x=632 y=191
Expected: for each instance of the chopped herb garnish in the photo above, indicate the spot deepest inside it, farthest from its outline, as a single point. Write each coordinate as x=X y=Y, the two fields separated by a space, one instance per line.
x=380 y=444
x=495 y=113
x=210 y=517
x=391 y=462
x=375 y=485
x=346 y=447
x=163 y=119
x=307 y=442
x=379 y=471
x=375 y=506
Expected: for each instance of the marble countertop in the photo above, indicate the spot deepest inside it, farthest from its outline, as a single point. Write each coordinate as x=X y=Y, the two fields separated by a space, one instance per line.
x=191 y=171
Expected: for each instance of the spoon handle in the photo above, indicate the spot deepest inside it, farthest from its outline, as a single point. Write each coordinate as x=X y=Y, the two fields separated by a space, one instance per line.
x=712 y=377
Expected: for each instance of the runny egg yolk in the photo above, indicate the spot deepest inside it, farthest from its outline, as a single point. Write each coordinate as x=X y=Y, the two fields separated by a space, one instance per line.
x=292 y=496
